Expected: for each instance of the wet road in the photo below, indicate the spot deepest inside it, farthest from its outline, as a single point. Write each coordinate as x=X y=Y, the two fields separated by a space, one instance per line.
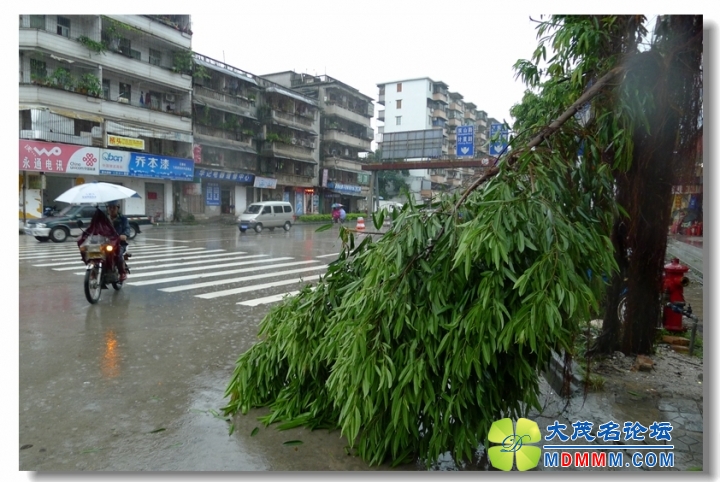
x=135 y=382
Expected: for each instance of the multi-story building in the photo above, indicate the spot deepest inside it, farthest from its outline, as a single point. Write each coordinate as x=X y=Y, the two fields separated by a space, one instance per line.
x=416 y=106
x=289 y=150
x=225 y=131
x=345 y=133
x=105 y=98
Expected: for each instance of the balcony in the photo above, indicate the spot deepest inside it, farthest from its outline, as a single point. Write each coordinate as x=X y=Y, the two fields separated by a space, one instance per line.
x=455 y=122
x=220 y=137
x=289 y=151
x=337 y=110
x=348 y=140
x=381 y=98
x=131 y=112
x=469 y=115
x=229 y=103
x=452 y=137
x=293 y=120
x=440 y=113
x=113 y=61
x=157 y=28
x=294 y=180
x=456 y=106
x=381 y=115
x=343 y=164
x=440 y=97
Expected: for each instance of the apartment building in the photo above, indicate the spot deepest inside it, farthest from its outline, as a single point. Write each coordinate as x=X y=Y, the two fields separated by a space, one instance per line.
x=345 y=133
x=418 y=107
x=106 y=98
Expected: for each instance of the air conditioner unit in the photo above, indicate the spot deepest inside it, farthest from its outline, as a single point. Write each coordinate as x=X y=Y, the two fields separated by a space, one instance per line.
x=169 y=97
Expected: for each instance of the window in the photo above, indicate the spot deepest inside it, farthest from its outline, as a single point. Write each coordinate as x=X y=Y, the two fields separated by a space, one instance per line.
x=267 y=210
x=278 y=209
x=38 y=70
x=63 y=26
x=287 y=209
x=124 y=47
x=125 y=91
x=106 y=89
x=155 y=57
x=135 y=54
x=399 y=86
x=398 y=120
x=37 y=21
x=398 y=104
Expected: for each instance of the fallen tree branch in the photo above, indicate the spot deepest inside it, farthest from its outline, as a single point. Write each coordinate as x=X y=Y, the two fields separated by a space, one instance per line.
x=549 y=130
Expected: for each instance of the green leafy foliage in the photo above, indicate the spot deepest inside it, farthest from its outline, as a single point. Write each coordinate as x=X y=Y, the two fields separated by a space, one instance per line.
x=415 y=343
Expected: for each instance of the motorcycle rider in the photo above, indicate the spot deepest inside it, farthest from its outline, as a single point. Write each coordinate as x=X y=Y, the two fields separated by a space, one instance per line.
x=122 y=227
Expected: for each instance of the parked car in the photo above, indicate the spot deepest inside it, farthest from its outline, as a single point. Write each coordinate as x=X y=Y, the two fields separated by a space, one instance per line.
x=267 y=214
x=58 y=228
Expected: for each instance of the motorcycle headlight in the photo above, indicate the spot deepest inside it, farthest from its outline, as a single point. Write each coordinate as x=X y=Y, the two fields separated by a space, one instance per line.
x=108 y=248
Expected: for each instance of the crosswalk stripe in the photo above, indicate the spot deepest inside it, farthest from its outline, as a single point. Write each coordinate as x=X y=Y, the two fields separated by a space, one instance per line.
x=187 y=263
x=70 y=268
x=132 y=249
x=269 y=299
x=217 y=273
x=200 y=268
x=154 y=259
x=247 y=289
x=207 y=284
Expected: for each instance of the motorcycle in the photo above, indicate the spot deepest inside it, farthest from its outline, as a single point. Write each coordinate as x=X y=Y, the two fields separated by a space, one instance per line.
x=98 y=251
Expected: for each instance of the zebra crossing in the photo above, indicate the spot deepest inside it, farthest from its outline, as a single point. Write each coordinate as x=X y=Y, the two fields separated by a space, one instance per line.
x=206 y=274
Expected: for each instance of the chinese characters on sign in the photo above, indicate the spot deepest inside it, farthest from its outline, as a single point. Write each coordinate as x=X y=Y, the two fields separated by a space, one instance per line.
x=225 y=175
x=52 y=157
x=344 y=188
x=465 y=141
x=163 y=167
x=129 y=142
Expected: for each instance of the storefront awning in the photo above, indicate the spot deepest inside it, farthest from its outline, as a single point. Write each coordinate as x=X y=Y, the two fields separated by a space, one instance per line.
x=66 y=113
x=347 y=194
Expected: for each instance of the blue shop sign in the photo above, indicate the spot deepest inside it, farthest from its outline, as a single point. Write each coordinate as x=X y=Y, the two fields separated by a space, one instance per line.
x=348 y=188
x=225 y=175
x=161 y=167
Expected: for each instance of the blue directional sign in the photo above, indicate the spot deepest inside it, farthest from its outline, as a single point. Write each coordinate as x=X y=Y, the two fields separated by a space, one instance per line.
x=465 y=141
x=496 y=148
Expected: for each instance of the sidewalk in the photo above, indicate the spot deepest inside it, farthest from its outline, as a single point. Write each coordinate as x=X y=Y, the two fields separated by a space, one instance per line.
x=689 y=249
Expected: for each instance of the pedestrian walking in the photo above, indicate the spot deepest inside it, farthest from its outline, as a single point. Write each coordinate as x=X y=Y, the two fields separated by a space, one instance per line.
x=343 y=214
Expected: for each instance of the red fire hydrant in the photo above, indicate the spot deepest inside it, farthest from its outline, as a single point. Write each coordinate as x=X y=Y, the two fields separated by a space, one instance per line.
x=674 y=280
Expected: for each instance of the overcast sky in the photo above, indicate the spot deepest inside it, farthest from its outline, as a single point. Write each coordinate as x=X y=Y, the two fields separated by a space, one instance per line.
x=366 y=43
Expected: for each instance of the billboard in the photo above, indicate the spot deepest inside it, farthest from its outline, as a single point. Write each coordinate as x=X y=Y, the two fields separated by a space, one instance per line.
x=425 y=143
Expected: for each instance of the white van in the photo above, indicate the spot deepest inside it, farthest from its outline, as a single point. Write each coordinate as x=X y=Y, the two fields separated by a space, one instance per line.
x=267 y=214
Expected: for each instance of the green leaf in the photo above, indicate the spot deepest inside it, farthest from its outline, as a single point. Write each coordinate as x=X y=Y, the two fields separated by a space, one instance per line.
x=293 y=442
x=254 y=431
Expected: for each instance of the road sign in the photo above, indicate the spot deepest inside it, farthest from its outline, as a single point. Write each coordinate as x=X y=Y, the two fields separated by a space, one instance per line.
x=465 y=141
x=496 y=148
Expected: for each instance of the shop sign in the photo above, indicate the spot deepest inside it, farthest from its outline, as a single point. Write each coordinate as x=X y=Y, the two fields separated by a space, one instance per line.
x=265 y=182
x=325 y=178
x=197 y=153
x=160 y=167
x=212 y=194
x=128 y=142
x=51 y=157
x=225 y=175
x=687 y=189
x=114 y=163
x=192 y=189
x=345 y=188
